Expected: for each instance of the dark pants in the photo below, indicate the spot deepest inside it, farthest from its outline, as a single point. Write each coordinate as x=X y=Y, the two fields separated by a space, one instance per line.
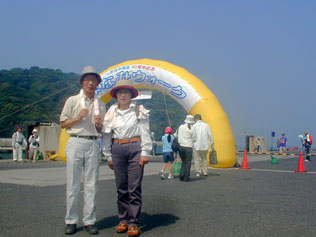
x=308 y=151
x=128 y=177
x=186 y=157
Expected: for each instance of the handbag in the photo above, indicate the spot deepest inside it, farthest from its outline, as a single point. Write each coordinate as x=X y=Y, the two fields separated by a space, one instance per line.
x=176 y=167
x=213 y=157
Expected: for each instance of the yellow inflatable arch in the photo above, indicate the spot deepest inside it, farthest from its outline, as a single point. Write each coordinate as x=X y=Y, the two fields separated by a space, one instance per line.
x=180 y=85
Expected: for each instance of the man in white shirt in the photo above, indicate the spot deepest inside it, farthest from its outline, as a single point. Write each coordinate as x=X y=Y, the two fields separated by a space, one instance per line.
x=82 y=117
x=202 y=137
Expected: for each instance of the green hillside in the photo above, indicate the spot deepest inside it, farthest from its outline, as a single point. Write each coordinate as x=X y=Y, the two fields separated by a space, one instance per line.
x=38 y=94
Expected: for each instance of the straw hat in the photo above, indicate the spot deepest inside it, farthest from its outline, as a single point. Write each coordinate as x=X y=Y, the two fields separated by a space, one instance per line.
x=124 y=84
x=189 y=119
x=89 y=70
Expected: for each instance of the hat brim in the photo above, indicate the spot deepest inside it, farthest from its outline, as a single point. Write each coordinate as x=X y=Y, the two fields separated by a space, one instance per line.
x=134 y=91
x=83 y=75
x=190 y=122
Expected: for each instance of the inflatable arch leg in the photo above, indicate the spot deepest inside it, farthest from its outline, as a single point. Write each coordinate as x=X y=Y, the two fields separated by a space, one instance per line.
x=180 y=85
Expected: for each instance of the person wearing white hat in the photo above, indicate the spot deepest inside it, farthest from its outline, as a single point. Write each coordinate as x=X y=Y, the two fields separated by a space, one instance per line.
x=185 y=140
x=126 y=127
x=82 y=117
x=34 y=140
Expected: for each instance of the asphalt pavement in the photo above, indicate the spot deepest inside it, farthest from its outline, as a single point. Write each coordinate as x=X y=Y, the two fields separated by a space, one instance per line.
x=266 y=200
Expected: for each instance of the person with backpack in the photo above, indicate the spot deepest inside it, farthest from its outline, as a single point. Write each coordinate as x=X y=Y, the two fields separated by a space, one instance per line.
x=34 y=140
x=168 y=154
x=308 y=141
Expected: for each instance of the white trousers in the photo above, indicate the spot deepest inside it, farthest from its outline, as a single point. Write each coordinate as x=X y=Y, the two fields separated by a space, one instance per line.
x=33 y=153
x=200 y=161
x=82 y=154
x=17 y=152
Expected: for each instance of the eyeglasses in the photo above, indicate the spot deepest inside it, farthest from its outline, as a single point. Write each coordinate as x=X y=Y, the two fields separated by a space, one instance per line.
x=123 y=91
x=93 y=79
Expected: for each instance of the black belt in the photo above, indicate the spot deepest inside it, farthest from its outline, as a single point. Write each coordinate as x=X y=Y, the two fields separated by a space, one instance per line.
x=85 y=137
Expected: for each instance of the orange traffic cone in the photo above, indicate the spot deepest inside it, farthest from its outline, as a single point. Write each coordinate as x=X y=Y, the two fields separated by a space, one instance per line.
x=300 y=167
x=244 y=165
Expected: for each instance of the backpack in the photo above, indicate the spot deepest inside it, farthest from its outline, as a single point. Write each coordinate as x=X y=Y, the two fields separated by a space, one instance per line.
x=175 y=144
x=310 y=139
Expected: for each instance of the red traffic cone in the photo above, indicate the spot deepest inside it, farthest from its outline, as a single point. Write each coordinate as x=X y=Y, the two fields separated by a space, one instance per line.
x=244 y=165
x=300 y=167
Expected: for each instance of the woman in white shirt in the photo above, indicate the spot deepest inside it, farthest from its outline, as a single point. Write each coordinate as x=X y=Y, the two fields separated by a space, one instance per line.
x=127 y=145
x=185 y=140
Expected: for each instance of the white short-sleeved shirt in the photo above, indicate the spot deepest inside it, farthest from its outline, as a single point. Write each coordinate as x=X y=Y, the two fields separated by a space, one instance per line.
x=72 y=108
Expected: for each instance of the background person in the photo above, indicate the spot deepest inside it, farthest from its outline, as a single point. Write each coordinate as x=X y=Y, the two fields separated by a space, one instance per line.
x=278 y=145
x=18 y=142
x=152 y=134
x=307 y=144
x=302 y=147
x=185 y=140
x=202 y=138
x=168 y=154
x=127 y=125
x=34 y=140
x=82 y=117
x=283 y=143
x=258 y=144
x=100 y=145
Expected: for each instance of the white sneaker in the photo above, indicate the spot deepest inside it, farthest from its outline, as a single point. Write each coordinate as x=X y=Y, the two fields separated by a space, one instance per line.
x=161 y=174
x=198 y=175
x=170 y=177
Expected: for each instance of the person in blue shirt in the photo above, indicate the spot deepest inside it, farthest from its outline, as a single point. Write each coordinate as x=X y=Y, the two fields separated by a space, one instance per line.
x=283 y=144
x=168 y=154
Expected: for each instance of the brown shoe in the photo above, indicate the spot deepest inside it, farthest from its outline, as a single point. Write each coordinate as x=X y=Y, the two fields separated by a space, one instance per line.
x=133 y=231
x=121 y=228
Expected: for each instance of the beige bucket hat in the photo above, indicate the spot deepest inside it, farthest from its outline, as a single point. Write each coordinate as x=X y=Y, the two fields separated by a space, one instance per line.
x=189 y=119
x=89 y=70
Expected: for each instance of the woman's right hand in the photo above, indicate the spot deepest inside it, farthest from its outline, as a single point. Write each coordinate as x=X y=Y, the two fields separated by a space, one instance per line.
x=110 y=164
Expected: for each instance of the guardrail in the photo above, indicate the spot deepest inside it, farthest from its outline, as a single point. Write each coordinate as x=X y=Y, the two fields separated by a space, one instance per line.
x=276 y=153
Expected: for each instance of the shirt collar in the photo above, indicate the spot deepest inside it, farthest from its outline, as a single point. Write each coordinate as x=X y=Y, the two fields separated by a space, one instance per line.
x=132 y=105
x=86 y=98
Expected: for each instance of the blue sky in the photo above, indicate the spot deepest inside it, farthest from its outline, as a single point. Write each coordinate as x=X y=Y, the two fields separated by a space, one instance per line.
x=257 y=57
